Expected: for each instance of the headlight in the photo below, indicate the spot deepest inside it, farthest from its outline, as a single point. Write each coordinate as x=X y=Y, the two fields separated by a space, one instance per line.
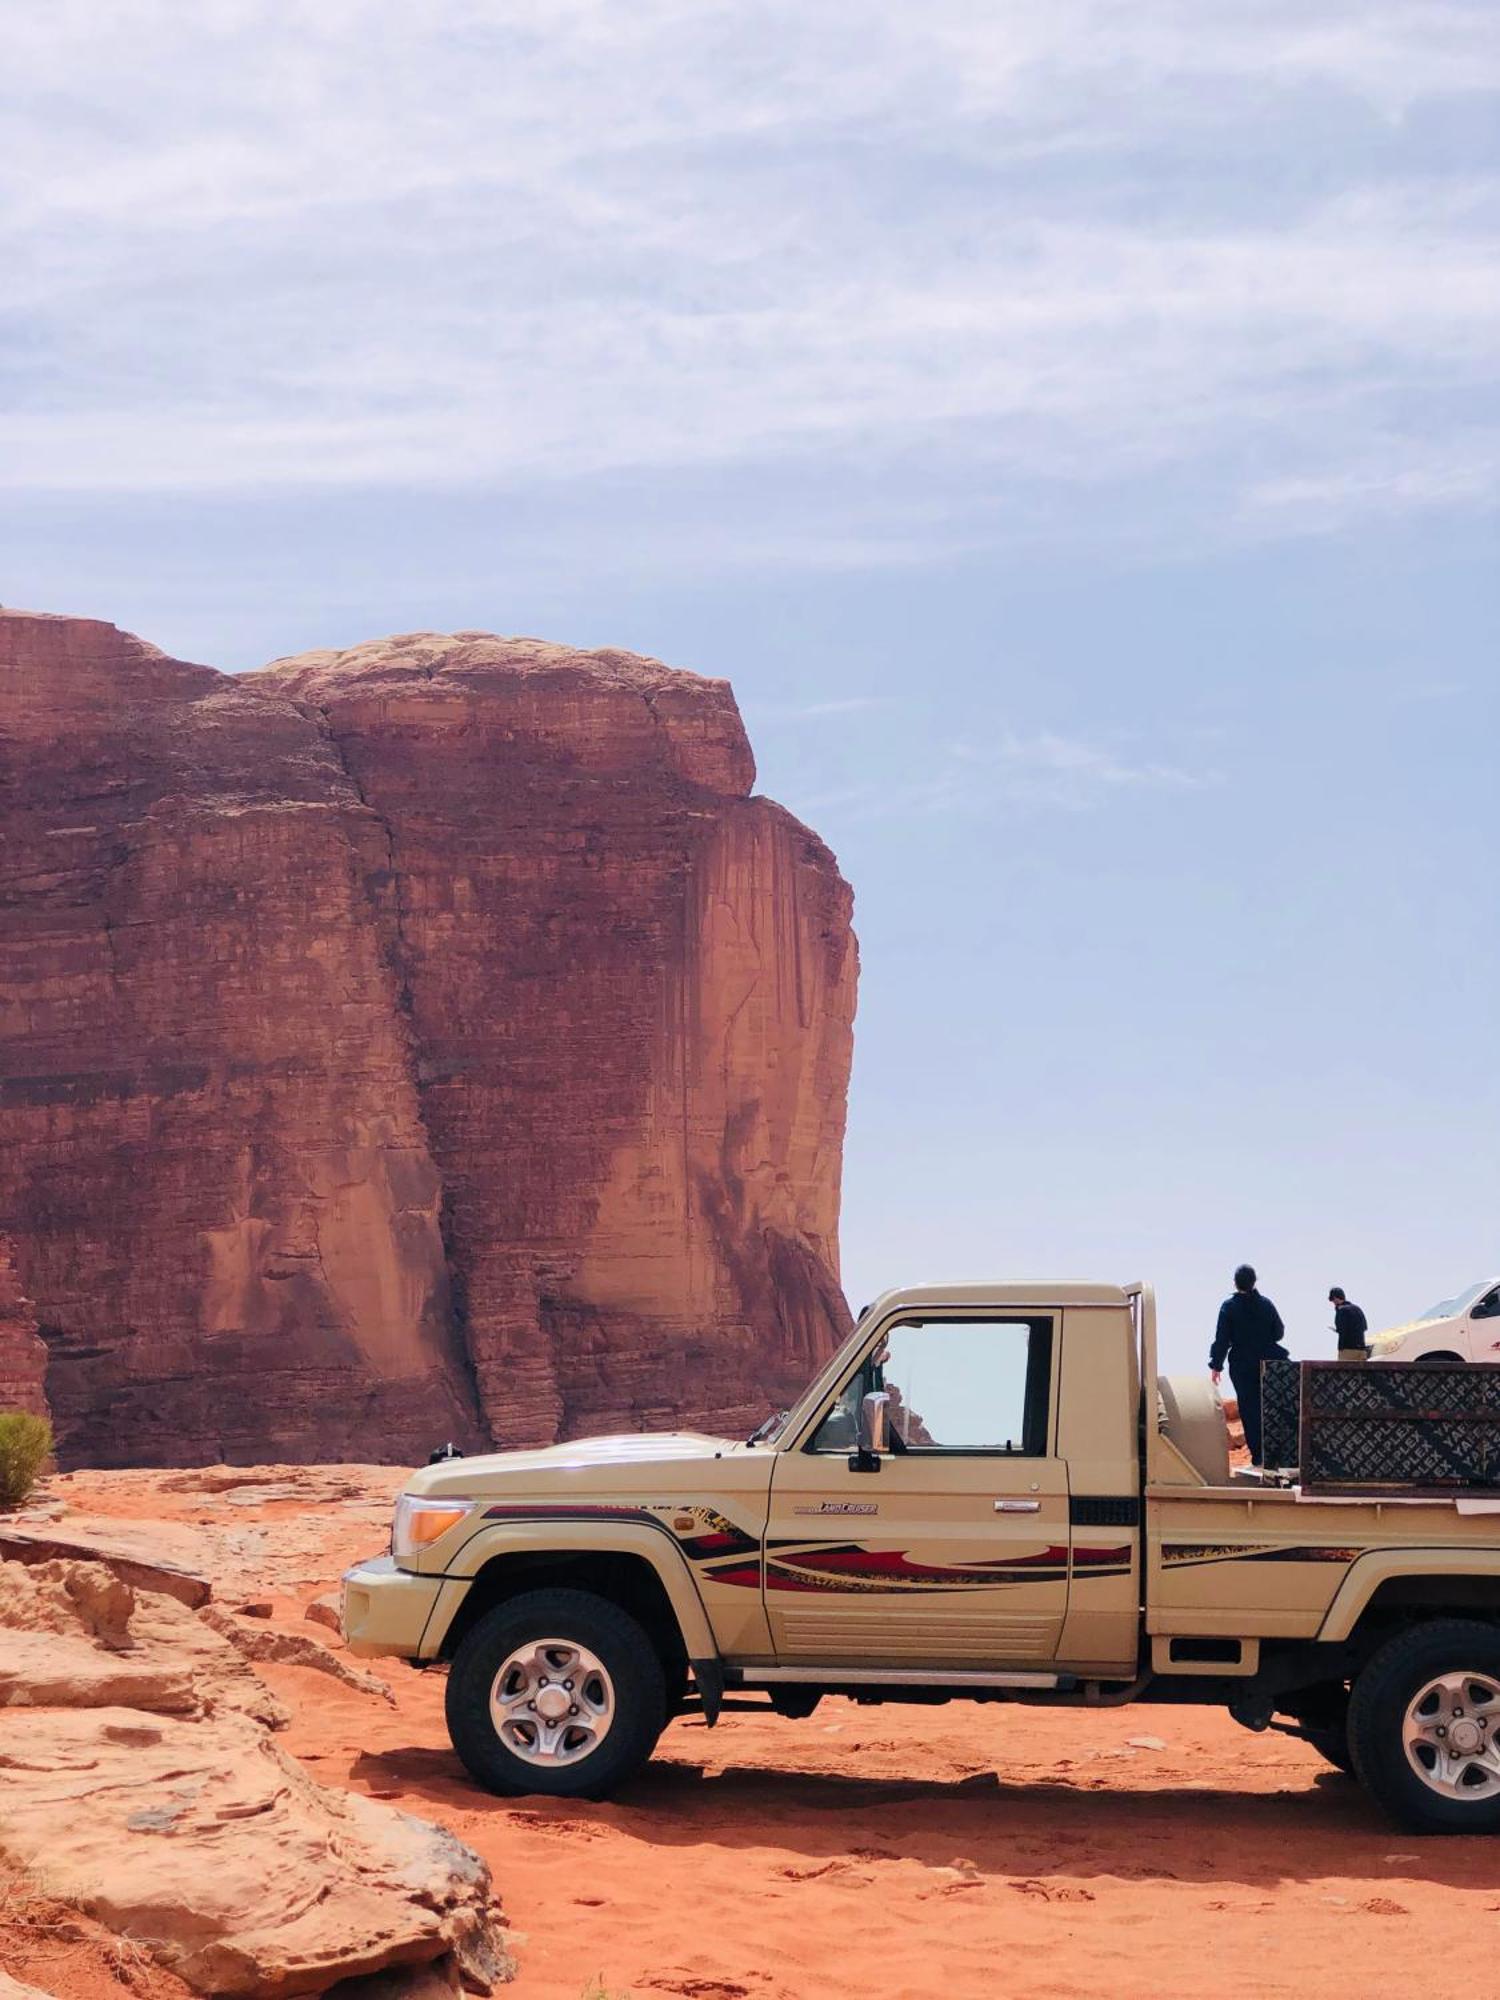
x=1387 y=1343
x=421 y=1519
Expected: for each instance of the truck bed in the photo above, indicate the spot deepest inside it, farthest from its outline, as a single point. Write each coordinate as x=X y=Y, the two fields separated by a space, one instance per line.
x=1273 y=1562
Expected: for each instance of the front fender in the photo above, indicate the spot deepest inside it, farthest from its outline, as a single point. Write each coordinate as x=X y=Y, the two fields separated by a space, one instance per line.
x=655 y=1546
x=1368 y=1572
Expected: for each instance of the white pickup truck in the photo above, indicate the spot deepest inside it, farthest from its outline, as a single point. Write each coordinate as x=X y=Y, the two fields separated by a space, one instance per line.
x=1463 y=1328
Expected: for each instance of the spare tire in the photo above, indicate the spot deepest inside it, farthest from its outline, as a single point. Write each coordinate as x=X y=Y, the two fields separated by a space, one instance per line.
x=1193 y=1418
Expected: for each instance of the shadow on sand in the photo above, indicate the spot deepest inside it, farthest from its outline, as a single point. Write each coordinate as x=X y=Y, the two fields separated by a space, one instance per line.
x=1089 y=1826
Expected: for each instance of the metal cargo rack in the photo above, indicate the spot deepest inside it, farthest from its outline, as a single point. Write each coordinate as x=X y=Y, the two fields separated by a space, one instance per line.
x=1423 y=1430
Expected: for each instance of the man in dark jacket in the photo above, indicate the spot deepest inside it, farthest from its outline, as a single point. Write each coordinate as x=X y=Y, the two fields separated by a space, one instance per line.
x=1350 y=1324
x=1249 y=1332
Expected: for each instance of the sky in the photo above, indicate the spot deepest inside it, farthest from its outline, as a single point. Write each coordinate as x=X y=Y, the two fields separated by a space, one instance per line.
x=1073 y=429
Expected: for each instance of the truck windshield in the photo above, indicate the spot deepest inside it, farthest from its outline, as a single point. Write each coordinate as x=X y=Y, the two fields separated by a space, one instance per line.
x=1451 y=1308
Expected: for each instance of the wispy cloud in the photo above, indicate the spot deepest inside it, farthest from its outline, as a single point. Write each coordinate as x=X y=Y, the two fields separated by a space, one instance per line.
x=1018 y=259
x=818 y=711
x=1037 y=771
x=1383 y=477
x=1047 y=769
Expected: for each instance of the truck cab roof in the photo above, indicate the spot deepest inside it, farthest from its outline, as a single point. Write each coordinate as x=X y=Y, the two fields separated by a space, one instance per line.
x=987 y=1292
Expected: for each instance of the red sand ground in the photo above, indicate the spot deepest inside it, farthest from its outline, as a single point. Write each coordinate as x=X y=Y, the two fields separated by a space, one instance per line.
x=1007 y=1853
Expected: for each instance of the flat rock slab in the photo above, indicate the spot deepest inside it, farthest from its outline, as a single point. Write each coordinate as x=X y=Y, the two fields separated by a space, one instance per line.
x=132 y=1552
x=240 y=1872
x=76 y=1635
x=267 y=1550
x=270 y=1646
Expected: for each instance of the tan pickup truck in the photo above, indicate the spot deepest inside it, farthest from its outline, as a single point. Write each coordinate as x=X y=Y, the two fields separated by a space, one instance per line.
x=977 y=1499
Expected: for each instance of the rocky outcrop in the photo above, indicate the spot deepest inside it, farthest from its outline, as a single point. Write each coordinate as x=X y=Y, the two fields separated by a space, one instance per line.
x=430 y=1040
x=290 y=1649
x=134 y=1738
x=237 y=1536
x=76 y=1635
x=315 y=1886
x=123 y=1548
x=23 y=1358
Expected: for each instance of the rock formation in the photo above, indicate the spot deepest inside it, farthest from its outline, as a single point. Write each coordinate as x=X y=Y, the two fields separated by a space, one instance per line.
x=78 y=1634
x=434 y=1039
x=23 y=1358
x=132 y=1735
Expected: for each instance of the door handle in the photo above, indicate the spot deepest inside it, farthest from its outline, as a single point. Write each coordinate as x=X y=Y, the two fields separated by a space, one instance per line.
x=1018 y=1506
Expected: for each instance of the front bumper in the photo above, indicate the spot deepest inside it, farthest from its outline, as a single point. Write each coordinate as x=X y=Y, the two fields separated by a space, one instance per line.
x=384 y=1610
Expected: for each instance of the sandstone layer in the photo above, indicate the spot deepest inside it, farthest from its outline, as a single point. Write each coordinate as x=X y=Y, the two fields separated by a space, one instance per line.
x=142 y=1788
x=77 y=1635
x=430 y=1040
x=23 y=1358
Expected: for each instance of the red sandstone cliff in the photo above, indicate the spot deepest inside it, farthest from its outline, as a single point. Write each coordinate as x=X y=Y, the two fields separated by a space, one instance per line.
x=23 y=1358
x=431 y=1039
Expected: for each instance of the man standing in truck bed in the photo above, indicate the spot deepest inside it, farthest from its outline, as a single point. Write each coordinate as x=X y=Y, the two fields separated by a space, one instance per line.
x=1249 y=1332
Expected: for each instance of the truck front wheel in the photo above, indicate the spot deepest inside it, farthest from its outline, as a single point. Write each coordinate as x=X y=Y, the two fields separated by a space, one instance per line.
x=1424 y=1727
x=558 y=1692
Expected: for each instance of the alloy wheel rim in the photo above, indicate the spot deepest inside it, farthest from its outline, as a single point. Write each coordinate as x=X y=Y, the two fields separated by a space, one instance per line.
x=1451 y=1735
x=552 y=1702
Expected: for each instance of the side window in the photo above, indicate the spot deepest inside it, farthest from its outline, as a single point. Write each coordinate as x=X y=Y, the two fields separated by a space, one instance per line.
x=1489 y=1306
x=839 y=1430
x=954 y=1385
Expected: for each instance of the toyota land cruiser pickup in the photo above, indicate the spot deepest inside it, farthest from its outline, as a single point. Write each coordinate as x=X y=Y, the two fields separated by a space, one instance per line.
x=987 y=1494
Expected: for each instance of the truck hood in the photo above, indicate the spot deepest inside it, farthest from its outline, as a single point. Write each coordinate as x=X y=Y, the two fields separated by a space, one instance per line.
x=636 y=1453
x=1388 y=1335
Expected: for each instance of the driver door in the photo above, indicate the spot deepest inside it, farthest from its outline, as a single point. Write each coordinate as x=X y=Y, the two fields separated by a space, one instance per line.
x=955 y=1551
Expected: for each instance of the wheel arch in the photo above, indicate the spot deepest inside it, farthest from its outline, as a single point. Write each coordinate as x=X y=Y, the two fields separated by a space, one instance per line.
x=1390 y=1585
x=637 y=1569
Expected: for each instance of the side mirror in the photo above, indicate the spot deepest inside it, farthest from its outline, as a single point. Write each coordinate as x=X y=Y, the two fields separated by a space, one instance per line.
x=872 y=1443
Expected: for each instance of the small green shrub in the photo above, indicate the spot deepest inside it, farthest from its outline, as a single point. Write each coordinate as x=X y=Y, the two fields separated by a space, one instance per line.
x=25 y=1447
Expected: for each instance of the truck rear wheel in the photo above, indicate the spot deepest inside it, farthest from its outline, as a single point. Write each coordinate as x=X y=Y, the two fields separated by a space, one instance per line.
x=558 y=1692
x=1424 y=1727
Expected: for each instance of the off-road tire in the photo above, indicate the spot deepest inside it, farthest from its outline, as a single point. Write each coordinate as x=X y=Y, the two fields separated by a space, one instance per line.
x=614 y=1637
x=1390 y=1681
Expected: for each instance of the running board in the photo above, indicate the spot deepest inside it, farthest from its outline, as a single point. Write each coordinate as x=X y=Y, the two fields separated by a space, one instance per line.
x=962 y=1677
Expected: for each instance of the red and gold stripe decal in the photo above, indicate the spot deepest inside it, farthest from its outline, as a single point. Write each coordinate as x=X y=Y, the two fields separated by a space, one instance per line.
x=728 y=1554
x=851 y=1567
